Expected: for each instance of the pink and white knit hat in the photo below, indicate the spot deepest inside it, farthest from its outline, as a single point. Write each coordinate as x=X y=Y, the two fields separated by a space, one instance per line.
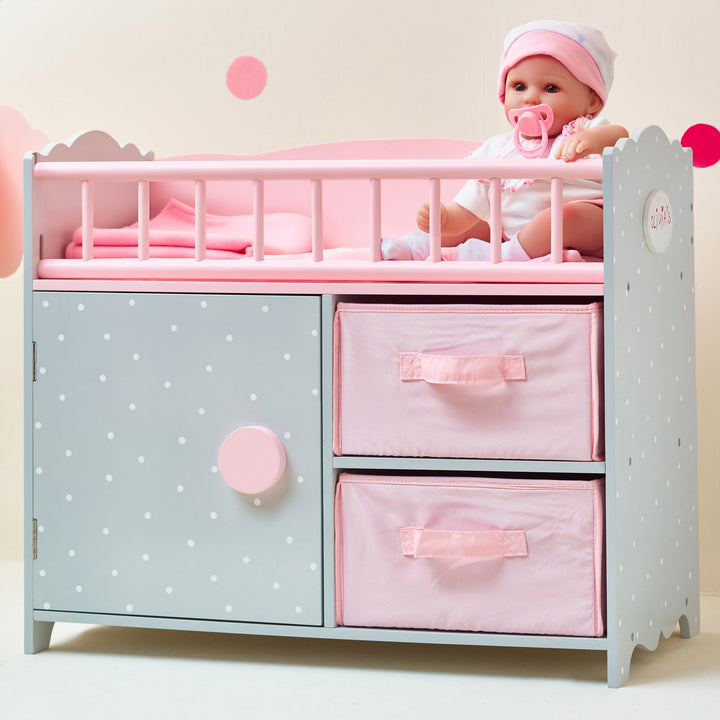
x=580 y=48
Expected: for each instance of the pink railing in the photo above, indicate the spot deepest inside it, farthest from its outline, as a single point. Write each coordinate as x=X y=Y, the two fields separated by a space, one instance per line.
x=201 y=172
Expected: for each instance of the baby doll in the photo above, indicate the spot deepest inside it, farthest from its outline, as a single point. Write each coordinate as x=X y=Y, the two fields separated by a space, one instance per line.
x=560 y=73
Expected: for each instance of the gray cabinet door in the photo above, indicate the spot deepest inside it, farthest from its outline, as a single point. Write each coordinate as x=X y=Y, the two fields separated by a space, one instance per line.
x=135 y=394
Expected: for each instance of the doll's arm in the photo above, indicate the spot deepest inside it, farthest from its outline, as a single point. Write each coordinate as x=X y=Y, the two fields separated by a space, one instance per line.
x=590 y=142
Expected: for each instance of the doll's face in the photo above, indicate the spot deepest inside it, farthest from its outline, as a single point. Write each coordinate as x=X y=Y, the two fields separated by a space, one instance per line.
x=542 y=79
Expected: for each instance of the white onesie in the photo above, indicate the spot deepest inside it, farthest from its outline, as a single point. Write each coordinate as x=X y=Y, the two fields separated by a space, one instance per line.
x=522 y=199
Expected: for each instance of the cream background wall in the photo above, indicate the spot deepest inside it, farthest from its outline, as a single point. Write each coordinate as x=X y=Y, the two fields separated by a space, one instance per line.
x=154 y=73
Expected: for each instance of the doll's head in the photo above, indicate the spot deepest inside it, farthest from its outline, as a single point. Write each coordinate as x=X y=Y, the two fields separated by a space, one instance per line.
x=564 y=65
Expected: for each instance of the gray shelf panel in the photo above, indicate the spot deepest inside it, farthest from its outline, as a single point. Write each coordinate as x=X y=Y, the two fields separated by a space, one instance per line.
x=467 y=465
x=327 y=633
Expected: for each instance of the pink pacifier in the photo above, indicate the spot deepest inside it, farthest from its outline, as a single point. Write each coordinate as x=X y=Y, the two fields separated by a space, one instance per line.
x=533 y=123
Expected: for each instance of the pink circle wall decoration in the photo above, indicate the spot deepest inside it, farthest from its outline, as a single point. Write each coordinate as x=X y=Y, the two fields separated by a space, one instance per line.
x=705 y=143
x=246 y=77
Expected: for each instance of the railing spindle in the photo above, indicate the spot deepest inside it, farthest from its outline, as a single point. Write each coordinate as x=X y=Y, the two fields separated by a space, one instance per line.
x=317 y=221
x=259 y=220
x=87 y=219
x=495 y=195
x=200 y=220
x=435 y=232
x=143 y=220
x=556 y=220
x=375 y=219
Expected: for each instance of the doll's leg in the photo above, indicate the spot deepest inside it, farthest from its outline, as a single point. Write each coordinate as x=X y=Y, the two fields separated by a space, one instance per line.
x=582 y=230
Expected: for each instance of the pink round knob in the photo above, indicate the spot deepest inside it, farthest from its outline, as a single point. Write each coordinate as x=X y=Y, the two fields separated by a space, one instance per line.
x=251 y=459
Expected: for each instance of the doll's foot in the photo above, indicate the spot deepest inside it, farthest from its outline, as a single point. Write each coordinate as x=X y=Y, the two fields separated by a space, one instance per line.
x=415 y=246
x=475 y=249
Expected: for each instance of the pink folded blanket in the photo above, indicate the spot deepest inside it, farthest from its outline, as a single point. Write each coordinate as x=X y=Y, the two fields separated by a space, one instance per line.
x=172 y=235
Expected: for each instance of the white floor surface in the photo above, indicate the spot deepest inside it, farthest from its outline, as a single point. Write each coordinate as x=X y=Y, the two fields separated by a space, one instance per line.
x=108 y=673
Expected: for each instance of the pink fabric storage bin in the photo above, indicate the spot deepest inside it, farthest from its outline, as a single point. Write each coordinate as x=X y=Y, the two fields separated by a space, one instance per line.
x=477 y=381
x=470 y=554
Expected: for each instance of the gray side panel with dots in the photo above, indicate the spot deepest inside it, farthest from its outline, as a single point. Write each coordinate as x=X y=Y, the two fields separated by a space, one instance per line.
x=652 y=519
x=134 y=396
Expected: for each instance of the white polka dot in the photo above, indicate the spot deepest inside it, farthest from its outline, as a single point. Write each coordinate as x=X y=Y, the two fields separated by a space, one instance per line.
x=109 y=478
x=46 y=605
x=287 y=435
x=257 y=502
x=300 y=480
x=68 y=498
x=265 y=308
x=45 y=304
x=148 y=515
x=81 y=307
x=208 y=368
x=180 y=488
x=314 y=332
x=213 y=578
x=145 y=557
x=136 y=356
x=38 y=425
x=229 y=338
x=298 y=609
x=191 y=543
x=228 y=608
x=315 y=391
x=106 y=336
x=132 y=406
x=313 y=566
x=114 y=573
x=111 y=436
x=61 y=397
x=286 y=356
x=173 y=328
x=71 y=553
x=38 y=471
x=253 y=397
x=68 y=453
x=42 y=371
x=246 y=560
x=203 y=303
x=168 y=590
x=131 y=303
x=42 y=573
x=61 y=337
x=289 y=540
x=201 y=411
x=141 y=459
x=78 y=588
x=213 y=515
x=129 y=608
x=105 y=531
x=167 y=384
x=181 y=440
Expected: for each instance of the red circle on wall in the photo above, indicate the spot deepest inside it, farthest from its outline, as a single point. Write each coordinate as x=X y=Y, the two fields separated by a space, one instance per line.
x=705 y=143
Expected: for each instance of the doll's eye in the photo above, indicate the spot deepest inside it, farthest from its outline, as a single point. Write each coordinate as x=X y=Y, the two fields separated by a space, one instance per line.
x=519 y=87
x=552 y=89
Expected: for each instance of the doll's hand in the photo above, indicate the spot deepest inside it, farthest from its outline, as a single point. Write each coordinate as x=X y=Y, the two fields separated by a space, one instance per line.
x=578 y=145
x=423 y=217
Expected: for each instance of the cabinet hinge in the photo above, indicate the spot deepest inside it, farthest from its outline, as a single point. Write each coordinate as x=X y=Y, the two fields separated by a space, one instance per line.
x=34 y=360
x=34 y=539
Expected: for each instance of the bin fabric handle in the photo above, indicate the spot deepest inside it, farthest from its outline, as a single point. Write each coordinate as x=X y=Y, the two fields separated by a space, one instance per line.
x=460 y=369
x=481 y=544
